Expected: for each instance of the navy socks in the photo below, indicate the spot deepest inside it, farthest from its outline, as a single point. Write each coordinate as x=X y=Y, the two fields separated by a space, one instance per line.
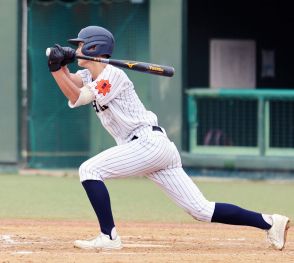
x=100 y=201
x=234 y=215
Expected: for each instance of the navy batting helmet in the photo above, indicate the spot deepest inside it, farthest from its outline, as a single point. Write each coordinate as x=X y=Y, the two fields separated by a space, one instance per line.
x=97 y=41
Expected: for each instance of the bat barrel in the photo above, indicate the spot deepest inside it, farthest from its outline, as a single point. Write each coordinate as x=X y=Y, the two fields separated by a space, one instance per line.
x=144 y=67
x=161 y=70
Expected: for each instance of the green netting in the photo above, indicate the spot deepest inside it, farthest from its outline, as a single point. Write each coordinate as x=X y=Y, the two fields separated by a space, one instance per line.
x=281 y=124
x=59 y=136
x=227 y=122
x=252 y=119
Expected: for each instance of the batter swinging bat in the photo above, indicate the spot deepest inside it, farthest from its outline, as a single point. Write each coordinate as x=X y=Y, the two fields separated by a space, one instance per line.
x=145 y=67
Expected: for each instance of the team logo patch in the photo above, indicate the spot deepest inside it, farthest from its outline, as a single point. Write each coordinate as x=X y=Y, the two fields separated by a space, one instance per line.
x=103 y=86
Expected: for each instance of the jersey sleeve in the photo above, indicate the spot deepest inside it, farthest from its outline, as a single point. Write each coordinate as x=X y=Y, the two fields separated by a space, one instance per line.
x=109 y=84
x=86 y=97
x=85 y=75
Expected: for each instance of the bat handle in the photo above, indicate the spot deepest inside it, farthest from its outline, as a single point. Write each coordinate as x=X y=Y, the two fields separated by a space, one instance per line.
x=101 y=60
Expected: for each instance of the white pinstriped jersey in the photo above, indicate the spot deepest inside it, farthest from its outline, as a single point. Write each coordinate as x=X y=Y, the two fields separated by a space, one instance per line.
x=117 y=105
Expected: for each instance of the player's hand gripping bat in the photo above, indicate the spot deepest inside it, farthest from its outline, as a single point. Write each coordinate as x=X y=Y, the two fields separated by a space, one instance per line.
x=145 y=67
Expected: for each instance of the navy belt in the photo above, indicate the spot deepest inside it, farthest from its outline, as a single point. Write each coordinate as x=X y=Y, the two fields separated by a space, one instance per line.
x=154 y=128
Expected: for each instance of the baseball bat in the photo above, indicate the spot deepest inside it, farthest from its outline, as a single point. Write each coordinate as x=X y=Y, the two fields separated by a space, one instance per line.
x=144 y=67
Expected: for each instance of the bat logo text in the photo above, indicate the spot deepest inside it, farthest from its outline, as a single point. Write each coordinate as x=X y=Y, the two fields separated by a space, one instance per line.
x=155 y=68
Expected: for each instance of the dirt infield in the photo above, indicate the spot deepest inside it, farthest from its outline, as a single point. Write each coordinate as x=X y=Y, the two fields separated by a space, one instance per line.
x=52 y=241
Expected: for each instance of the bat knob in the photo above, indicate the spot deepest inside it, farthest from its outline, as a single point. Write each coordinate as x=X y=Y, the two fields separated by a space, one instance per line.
x=48 y=51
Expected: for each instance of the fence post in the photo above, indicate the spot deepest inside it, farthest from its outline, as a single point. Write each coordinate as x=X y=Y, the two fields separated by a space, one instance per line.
x=192 y=119
x=261 y=126
x=267 y=130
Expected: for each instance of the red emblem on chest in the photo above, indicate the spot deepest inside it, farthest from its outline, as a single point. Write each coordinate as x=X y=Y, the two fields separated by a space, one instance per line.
x=103 y=86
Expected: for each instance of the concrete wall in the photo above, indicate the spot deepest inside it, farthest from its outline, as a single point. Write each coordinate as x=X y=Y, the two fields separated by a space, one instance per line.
x=166 y=31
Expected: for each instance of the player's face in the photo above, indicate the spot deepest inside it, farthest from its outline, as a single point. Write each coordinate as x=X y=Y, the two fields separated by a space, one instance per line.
x=81 y=62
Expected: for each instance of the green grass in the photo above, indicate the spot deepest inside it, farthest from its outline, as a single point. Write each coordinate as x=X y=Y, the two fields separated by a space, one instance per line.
x=134 y=199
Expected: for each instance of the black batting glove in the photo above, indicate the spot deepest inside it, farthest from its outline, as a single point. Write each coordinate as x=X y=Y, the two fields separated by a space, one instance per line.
x=55 y=58
x=69 y=55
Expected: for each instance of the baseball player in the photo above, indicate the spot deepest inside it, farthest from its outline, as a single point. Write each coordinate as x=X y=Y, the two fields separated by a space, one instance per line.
x=143 y=147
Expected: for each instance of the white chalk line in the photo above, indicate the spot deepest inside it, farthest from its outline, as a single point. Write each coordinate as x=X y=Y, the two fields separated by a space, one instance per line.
x=7 y=239
x=177 y=239
x=23 y=252
x=133 y=243
x=144 y=245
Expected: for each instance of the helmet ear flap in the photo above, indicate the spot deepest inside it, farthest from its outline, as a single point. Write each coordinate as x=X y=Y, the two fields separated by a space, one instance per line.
x=95 y=48
x=90 y=49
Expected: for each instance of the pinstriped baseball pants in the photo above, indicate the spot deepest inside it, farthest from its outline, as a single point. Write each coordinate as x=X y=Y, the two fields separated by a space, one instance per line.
x=156 y=157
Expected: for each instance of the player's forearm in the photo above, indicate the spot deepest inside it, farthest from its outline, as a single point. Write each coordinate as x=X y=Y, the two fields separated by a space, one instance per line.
x=73 y=77
x=66 y=70
x=67 y=86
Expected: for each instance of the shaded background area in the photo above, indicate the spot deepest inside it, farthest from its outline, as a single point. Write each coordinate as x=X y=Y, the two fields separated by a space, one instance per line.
x=269 y=23
x=58 y=135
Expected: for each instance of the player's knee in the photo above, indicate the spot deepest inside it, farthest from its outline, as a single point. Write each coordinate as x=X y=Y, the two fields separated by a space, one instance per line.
x=204 y=211
x=83 y=172
x=88 y=172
